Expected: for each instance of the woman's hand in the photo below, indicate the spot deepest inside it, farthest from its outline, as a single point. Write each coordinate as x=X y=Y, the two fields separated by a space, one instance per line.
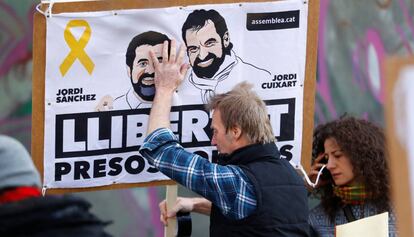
x=315 y=168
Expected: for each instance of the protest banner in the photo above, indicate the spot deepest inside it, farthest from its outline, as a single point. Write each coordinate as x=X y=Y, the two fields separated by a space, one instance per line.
x=90 y=106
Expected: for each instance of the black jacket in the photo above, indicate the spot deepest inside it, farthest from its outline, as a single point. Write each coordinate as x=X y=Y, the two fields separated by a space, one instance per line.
x=57 y=216
x=282 y=205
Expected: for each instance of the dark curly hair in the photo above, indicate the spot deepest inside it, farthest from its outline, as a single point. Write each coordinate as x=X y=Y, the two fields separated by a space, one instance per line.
x=364 y=144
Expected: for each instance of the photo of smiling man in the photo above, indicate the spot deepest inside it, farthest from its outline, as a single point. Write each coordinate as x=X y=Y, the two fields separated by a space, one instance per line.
x=215 y=65
x=140 y=72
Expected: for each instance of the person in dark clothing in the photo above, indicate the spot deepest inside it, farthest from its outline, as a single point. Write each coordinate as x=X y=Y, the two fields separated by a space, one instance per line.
x=24 y=212
x=251 y=191
x=50 y=216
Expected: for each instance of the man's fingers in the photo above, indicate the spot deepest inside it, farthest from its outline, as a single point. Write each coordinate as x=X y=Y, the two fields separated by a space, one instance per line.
x=154 y=58
x=173 y=212
x=320 y=157
x=163 y=219
x=172 y=50
x=165 y=52
x=171 y=70
x=181 y=54
x=163 y=210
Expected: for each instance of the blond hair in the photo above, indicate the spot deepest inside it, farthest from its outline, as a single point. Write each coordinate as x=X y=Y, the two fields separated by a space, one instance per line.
x=242 y=107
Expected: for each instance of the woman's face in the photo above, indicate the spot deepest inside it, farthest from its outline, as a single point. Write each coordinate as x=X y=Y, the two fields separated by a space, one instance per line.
x=338 y=163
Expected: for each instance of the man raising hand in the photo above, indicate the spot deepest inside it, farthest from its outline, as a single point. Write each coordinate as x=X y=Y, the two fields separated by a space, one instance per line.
x=251 y=191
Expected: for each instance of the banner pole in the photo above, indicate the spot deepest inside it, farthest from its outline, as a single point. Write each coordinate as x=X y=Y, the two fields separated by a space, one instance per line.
x=171 y=197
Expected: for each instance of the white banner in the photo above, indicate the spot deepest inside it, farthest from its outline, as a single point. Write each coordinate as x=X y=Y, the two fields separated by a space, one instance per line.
x=99 y=83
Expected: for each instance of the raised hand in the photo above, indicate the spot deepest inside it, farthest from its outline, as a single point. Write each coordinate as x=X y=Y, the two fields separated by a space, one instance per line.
x=314 y=170
x=170 y=72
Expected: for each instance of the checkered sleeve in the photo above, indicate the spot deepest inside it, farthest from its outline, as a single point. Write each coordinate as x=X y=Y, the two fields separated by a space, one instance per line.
x=227 y=187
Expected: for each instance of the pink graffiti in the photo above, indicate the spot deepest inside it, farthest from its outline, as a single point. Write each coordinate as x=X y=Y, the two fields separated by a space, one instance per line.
x=155 y=212
x=404 y=39
x=373 y=38
x=139 y=224
x=15 y=49
x=407 y=16
x=364 y=77
x=135 y=226
x=367 y=61
x=322 y=86
x=356 y=62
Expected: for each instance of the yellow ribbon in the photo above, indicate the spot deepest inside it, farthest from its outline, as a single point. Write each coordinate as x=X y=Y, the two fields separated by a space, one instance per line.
x=77 y=47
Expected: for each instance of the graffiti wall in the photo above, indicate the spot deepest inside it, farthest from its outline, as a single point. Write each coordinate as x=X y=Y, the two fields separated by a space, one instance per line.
x=354 y=39
x=15 y=69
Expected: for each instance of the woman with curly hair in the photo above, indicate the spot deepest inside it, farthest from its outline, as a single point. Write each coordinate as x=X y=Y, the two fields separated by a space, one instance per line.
x=357 y=184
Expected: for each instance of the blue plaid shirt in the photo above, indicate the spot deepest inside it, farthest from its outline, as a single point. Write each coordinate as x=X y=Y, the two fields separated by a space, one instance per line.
x=227 y=187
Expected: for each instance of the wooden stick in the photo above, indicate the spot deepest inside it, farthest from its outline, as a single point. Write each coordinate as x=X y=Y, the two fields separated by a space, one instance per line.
x=171 y=196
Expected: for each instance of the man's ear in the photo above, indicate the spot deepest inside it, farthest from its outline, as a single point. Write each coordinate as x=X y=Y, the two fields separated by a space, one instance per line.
x=236 y=132
x=226 y=39
x=128 y=71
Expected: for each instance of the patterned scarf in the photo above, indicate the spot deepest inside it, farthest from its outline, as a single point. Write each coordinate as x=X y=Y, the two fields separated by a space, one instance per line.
x=353 y=195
